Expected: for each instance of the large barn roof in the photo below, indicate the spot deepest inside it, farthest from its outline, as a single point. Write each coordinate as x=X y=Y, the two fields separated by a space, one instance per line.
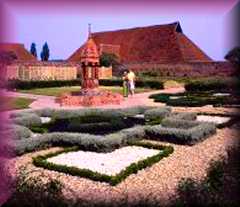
x=158 y=43
x=18 y=50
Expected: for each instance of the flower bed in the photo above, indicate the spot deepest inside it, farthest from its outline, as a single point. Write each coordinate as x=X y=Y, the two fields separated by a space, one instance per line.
x=154 y=154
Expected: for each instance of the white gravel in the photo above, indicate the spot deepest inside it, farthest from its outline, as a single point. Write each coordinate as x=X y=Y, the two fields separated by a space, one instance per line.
x=174 y=97
x=213 y=119
x=105 y=163
x=45 y=119
x=221 y=94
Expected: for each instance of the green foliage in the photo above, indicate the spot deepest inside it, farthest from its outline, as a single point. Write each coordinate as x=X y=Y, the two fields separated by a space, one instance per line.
x=205 y=192
x=212 y=86
x=154 y=84
x=196 y=99
x=157 y=114
x=17 y=132
x=41 y=161
x=45 y=52
x=28 y=120
x=188 y=136
x=33 y=50
x=215 y=172
x=178 y=123
x=31 y=190
x=108 y=59
x=24 y=85
x=18 y=84
x=233 y=55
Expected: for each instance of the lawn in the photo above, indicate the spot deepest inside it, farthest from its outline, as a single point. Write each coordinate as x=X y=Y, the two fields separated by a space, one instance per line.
x=57 y=91
x=11 y=103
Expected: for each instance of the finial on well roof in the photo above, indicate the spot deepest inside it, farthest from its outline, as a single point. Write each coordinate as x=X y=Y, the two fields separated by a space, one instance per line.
x=89 y=31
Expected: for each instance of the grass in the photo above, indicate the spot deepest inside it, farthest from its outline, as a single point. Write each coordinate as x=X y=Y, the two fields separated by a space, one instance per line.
x=12 y=103
x=57 y=91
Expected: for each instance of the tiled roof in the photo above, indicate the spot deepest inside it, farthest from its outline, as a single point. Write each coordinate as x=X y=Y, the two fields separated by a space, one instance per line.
x=18 y=49
x=158 y=43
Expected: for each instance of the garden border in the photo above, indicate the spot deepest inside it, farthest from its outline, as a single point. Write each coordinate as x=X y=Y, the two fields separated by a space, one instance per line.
x=41 y=161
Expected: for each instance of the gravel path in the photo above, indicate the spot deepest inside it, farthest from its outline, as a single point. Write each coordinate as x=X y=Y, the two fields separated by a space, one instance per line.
x=156 y=183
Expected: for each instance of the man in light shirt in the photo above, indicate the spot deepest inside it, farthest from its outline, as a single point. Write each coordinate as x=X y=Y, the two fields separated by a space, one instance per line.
x=131 y=81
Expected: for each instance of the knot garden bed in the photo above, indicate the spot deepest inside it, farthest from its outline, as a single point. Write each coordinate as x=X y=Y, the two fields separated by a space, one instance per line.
x=103 y=131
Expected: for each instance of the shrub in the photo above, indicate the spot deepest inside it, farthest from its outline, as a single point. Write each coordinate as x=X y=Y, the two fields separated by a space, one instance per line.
x=178 y=123
x=17 y=132
x=84 y=141
x=134 y=110
x=19 y=84
x=157 y=113
x=139 y=83
x=188 y=136
x=213 y=85
x=28 y=120
x=188 y=116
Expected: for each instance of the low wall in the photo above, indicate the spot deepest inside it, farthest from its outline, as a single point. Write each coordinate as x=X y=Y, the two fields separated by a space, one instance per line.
x=193 y=69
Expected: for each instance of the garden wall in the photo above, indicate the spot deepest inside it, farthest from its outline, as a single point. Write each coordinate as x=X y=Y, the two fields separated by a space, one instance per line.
x=48 y=71
x=190 y=69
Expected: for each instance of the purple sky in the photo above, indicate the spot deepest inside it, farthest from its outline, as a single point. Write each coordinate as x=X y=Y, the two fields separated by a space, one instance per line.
x=64 y=25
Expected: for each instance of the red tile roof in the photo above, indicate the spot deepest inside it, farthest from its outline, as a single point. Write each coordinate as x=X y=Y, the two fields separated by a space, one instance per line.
x=18 y=49
x=158 y=43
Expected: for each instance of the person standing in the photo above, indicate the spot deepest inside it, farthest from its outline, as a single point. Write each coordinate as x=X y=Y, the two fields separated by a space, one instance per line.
x=131 y=82
x=125 y=84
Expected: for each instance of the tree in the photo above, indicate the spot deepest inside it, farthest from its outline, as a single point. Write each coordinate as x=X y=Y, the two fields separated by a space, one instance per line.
x=233 y=55
x=108 y=59
x=33 y=50
x=45 y=52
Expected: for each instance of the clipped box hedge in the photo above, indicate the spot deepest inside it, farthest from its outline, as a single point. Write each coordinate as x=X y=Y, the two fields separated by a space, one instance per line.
x=24 y=85
x=213 y=85
x=188 y=136
x=175 y=127
x=156 y=115
x=83 y=140
x=16 y=132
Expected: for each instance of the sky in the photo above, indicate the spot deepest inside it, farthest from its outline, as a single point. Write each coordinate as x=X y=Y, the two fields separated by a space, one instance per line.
x=64 y=24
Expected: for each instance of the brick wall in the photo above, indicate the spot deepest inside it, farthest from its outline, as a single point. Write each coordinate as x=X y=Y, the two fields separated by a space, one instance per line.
x=48 y=71
x=193 y=69
x=41 y=71
x=104 y=73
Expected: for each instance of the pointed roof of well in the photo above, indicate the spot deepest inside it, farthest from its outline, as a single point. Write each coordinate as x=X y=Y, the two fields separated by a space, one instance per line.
x=157 y=43
x=89 y=52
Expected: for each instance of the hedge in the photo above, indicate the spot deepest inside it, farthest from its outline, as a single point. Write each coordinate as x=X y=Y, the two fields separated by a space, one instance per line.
x=16 y=132
x=18 y=84
x=84 y=141
x=213 y=85
x=196 y=99
x=41 y=161
x=155 y=116
x=178 y=123
x=188 y=116
x=29 y=119
x=176 y=127
x=77 y=82
x=188 y=136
